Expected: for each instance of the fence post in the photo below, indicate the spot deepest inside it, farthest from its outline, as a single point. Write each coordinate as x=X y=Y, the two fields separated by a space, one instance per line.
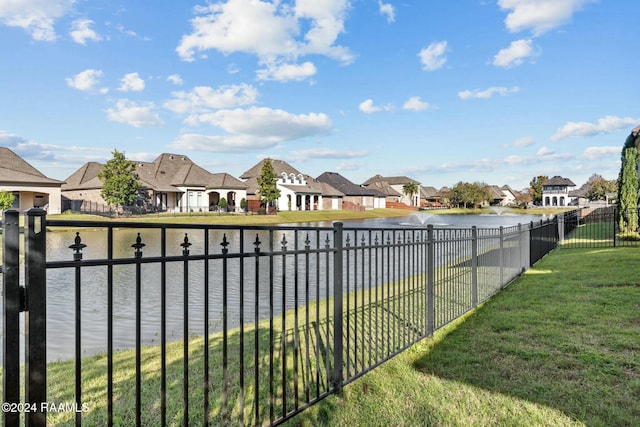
x=430 y=281
x=11 y=321
x=474 y=266
x=615 y=221
x=561 y=226
x=338 y=345
x=35 y=235
x=502 y=257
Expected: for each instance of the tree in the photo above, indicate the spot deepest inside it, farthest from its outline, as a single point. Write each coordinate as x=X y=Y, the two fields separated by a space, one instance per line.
x=268 y=184
x=466 y=193
x=410 y=189
x=535 y=189
x=6 y=200
x=223 y=204
x=120 y=183
x=599 y=187
x=628 y=191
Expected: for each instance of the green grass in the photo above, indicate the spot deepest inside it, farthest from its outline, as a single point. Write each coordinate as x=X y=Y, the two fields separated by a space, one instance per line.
x=601 y=234
x=559 y=347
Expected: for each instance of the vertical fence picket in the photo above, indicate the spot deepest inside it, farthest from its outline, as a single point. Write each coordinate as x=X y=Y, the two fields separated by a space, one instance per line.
x=338 y=311
x=77 y=247
x=138 y=245
x=36 y=316
x=11 y=321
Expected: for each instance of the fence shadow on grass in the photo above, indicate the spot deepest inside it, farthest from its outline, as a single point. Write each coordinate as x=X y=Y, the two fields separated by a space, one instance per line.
x=563 y=351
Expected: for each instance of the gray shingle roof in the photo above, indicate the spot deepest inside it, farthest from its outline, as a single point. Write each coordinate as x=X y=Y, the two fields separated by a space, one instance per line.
x=347 y=187
x=15 y=170
x=279 y=166
x=165 y=173
x=558 y=180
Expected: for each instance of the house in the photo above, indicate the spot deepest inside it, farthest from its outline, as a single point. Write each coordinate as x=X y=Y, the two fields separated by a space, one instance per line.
x=355 y=197
x=558 y=192
x=30 y=187
x=510 y=196
x=297 y=191
x=393 y=188
x=429 y=197
x=172 y=182
x=496 y=198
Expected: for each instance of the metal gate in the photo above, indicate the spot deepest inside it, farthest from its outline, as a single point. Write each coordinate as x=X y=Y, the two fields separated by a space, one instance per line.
x=34 y=306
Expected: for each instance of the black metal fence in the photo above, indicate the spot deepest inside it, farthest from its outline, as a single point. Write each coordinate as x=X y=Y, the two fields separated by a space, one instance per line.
x=198 y=324
x=596 y=228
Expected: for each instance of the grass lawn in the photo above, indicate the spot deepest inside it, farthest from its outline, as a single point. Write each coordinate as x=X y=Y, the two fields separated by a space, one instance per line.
x=559 y=347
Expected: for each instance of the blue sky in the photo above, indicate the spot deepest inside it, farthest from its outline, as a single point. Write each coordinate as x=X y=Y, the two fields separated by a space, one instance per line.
x=442 y=91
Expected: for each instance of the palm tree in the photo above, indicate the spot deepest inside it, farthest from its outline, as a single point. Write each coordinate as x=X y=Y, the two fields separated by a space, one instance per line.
x=410 y=189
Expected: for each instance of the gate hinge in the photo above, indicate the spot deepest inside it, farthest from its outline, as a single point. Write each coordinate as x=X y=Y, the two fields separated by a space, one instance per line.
x=22 y=295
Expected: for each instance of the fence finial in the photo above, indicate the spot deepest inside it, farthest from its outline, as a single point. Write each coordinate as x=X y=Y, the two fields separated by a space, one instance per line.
x=78 y=246
x=185 y=245
x=138 y=245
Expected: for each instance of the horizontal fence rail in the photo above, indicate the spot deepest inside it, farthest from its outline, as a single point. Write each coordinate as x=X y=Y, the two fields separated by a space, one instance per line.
x=225 y=325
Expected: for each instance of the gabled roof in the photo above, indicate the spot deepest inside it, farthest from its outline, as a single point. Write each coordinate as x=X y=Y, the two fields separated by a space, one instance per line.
x=279 y=166
x=496 y=192
x=391 y=180
x=15 y=170
x=166 y=173
x=85 y=178
x=558 y=180
x=383 y=187
x=224 y=180
x=428 y=192
x=347 y=187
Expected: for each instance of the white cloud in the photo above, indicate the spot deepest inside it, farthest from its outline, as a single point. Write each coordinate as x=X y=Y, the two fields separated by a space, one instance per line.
x=86 y=80
x=32 y=150
x=203 y=99
x=488 y=93
x=323 y=153
x=348 y=166
x=606 y=124
x=286 y=72
x=369 y=107
x=252 y=129
x=539 y=16
x=515 y=54
x=598 y=153
x=387 y=10
x=222 y=144
x=525 y=141
x=134 y=114
x=81 y=31
x=37 y=17
x=273 y=31
x=432 y=57
x=415 y=103
x=175 y=79
x=273 y=124
x=545 y=151
x=131 y=83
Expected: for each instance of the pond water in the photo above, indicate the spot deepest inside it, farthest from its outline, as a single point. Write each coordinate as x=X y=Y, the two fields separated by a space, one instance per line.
x=61 y=286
